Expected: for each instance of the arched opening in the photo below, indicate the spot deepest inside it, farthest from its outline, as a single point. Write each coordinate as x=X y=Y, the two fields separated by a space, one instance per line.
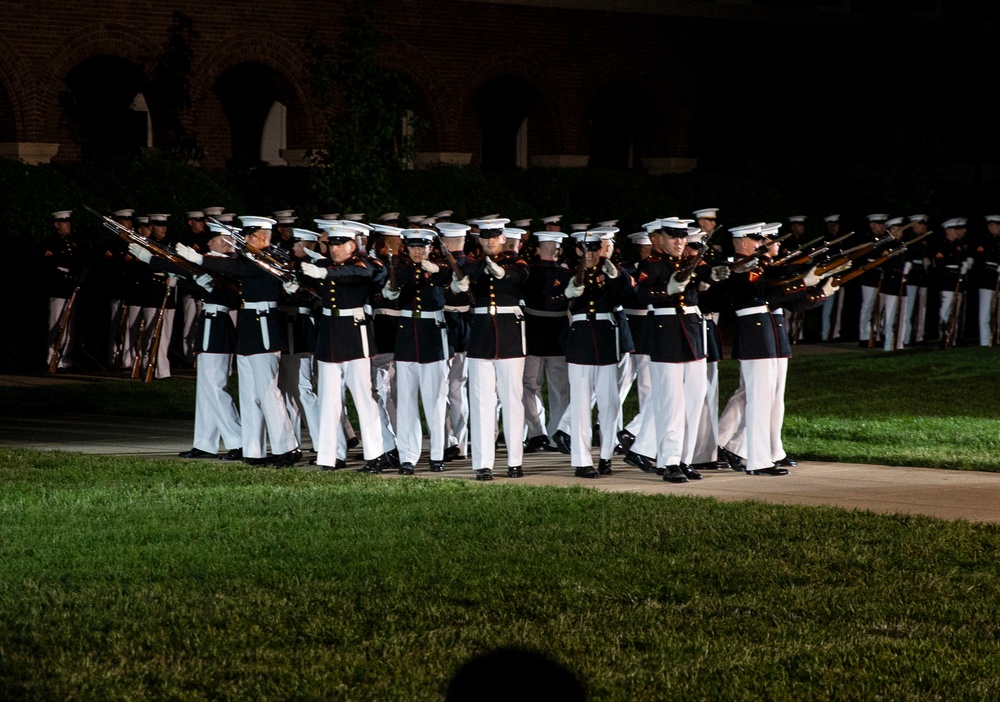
x=8 y=125
x=414 y=123
x=618 y=117
x=103 y=110
x=254 y=98
x=503 y=106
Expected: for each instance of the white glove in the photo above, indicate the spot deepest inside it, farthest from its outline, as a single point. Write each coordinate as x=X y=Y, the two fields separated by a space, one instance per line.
x=430 y=266
x=719 y=273
x=675 y=286
x=388 y=293
x=290 y=286
x=140 y=253
x=829 y=287
x=189 y=254
x=966 y=265
x=460 y=285
x=610 y=269
x=171 y=280
x=495 y=270
x=811 y=278
x=313 y=271
x=907 y=267
x=205 y=281
x=574 y=290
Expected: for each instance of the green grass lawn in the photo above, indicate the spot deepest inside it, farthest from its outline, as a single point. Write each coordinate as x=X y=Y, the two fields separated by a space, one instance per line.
x=126 y=579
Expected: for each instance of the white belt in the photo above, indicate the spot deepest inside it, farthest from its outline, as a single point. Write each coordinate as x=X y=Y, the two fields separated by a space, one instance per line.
x=760 y=309
x=637 y=313
x=660 y=311
x=778 y=311
x=498 y=310
x=265 y=305
x=597 y=317
x=387 y=311
x=543 y=313
x=356 y=312
x=212 y=308
x=456 y=308
x=61 y=269
x=952 y=267
x=437 y=315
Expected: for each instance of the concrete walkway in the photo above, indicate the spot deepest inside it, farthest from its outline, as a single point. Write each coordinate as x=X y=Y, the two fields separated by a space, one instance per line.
x=947 y=494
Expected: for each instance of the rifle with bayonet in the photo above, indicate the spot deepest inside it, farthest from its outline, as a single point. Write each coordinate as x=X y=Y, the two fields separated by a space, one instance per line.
x=453 y=264
x=858 y=251
x=687 y=266
x=800 y=257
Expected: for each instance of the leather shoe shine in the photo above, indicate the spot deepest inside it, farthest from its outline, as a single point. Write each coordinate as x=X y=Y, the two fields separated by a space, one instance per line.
x=771 y=471
x=639 y=461
x=235 y=454
x=284 y=460
x=604 y=466
x=674 y=474
x=586 y=472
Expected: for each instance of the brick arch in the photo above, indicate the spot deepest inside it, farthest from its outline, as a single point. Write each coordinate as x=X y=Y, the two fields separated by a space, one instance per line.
x=523 y=64
x=285 y=58
x=410 y=63
x=12 y=88
x=105 y=39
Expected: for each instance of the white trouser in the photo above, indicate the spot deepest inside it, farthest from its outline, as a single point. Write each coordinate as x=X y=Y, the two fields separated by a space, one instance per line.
x=944 y=314
x=57 y=305
x=215 y=415
x=732 y=427
x=625 y=377
x=116 y=348
x=643 y=383
x=985 y=307
x=915 y=297
x=162 y=363
x=831 y=316
x=262 y=409
x=429 y=380
x=586 y=382
x=760 y=382
x=295 y=379
x=491 y=380
x=134 y=322
x=333 y=378
x=890 y=306
x=867 y=307
x=677 y=402
x=778 y=409
x=457 y=419
x=553 y=370
x=705 y=449
x=384 y=383
x=189 y=341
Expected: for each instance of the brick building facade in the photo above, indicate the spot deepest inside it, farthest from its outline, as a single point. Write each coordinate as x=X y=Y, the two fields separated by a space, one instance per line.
x=653 y=84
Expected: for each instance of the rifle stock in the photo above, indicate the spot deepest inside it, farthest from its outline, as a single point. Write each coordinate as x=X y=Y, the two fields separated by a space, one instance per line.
x=453 y=264
x=154 y=347
x=61 y=334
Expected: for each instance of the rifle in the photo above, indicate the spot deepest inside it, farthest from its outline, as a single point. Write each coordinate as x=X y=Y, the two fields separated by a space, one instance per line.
x=949 y=334
x=61 y=334
x=855 y=272
x=137 y=359
x=797 y=258
x=154 y=347
x=796 y=253
x=266 y=260
x=876 y=313
x=453 y=264
x=392 y=274
x=687 y=267
x=581 y=270
x=897 y=342
x=853 y=253
x=757 y=252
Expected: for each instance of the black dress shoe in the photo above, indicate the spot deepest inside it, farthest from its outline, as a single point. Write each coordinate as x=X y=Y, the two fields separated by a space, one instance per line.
x=232 y=455
x=562 y=442
x=352 y=442
x=406 y=469
x=376 y=465
x=735 y=462
x=484 y=474
x=262 y=461
x=639 y=461
x=604 y=466
x=786 y=462
x=437 y=466
x=690 y=472
x=674 y=474
x=340 y=464
x=393 y=457
x=773 y=470
x=197 y=453
x=711 y=465
x=515 y=472
x=586 y=472
x=451 y=453
x=626 y=439
x=284 y=460
x=536 y=444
